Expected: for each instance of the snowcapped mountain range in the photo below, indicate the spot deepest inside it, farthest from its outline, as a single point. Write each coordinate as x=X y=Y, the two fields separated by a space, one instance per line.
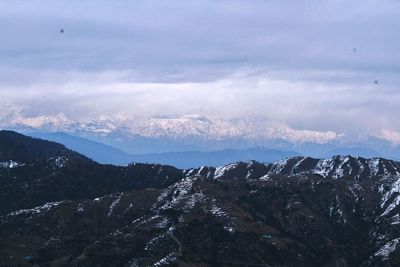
x=182 y=127
x=199 y=133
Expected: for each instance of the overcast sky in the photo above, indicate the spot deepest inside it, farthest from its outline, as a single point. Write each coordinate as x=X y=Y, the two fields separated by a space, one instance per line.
x=313 y=65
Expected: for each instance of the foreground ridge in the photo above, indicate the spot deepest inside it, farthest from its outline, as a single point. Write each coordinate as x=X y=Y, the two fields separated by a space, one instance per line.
x=63 y=209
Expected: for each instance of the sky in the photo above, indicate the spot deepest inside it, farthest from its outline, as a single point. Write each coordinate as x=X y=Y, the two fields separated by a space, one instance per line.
x=312 y=65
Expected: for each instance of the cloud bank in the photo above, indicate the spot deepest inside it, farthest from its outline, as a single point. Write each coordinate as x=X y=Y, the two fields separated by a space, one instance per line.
x=317 y=66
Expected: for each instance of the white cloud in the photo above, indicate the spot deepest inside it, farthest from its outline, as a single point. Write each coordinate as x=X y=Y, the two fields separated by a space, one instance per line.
x=301 y=104
x=308 y=66
x=391 y=136
x=189 y=41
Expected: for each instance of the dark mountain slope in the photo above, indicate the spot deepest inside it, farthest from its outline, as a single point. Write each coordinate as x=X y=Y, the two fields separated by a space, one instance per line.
x=18 y=147
x=341 y=211
x=279 y=221
x=34 y=172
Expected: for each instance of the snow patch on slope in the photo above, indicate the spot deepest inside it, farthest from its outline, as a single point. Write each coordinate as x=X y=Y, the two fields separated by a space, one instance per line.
x=387 y=249
x=37 y=210
x=166 y=260
x=394 y=191
x=10 y=164
x=220 y=171
x=178 y=196
x=278 y=166
x=114 y=204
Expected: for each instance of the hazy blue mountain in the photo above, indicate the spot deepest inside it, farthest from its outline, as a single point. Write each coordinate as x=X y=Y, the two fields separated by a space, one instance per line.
x=190 y=159
x=369 y=149
x=185 y=159
x=355 y=151
x=121 y=149
x=395 y=153
x=95 y=150
x=136 y=144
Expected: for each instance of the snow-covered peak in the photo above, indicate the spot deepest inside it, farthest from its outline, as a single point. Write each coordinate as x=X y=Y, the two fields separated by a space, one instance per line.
x=61 y=123
x=49 y=123
x=336 y=167
x=217 y=129
x=252 y=130
x=101 y=127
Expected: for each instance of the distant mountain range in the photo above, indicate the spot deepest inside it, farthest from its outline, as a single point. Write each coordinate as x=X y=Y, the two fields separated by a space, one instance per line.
x=152 y=140
x=59 y=208
x=110 y=154
x=186 y=159
x=182 y=128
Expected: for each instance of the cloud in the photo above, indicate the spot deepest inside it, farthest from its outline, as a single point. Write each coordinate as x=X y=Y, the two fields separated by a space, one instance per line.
x=174 y=40
x=309 y=66
x=391 y=136
x=322 y=107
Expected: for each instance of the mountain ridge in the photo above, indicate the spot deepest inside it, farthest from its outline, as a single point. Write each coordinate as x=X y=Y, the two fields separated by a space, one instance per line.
x=183 y=159
x=185 y=133
x=301 y=211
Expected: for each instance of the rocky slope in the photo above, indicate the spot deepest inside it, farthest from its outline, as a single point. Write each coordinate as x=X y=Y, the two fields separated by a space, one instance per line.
x=63 y=209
